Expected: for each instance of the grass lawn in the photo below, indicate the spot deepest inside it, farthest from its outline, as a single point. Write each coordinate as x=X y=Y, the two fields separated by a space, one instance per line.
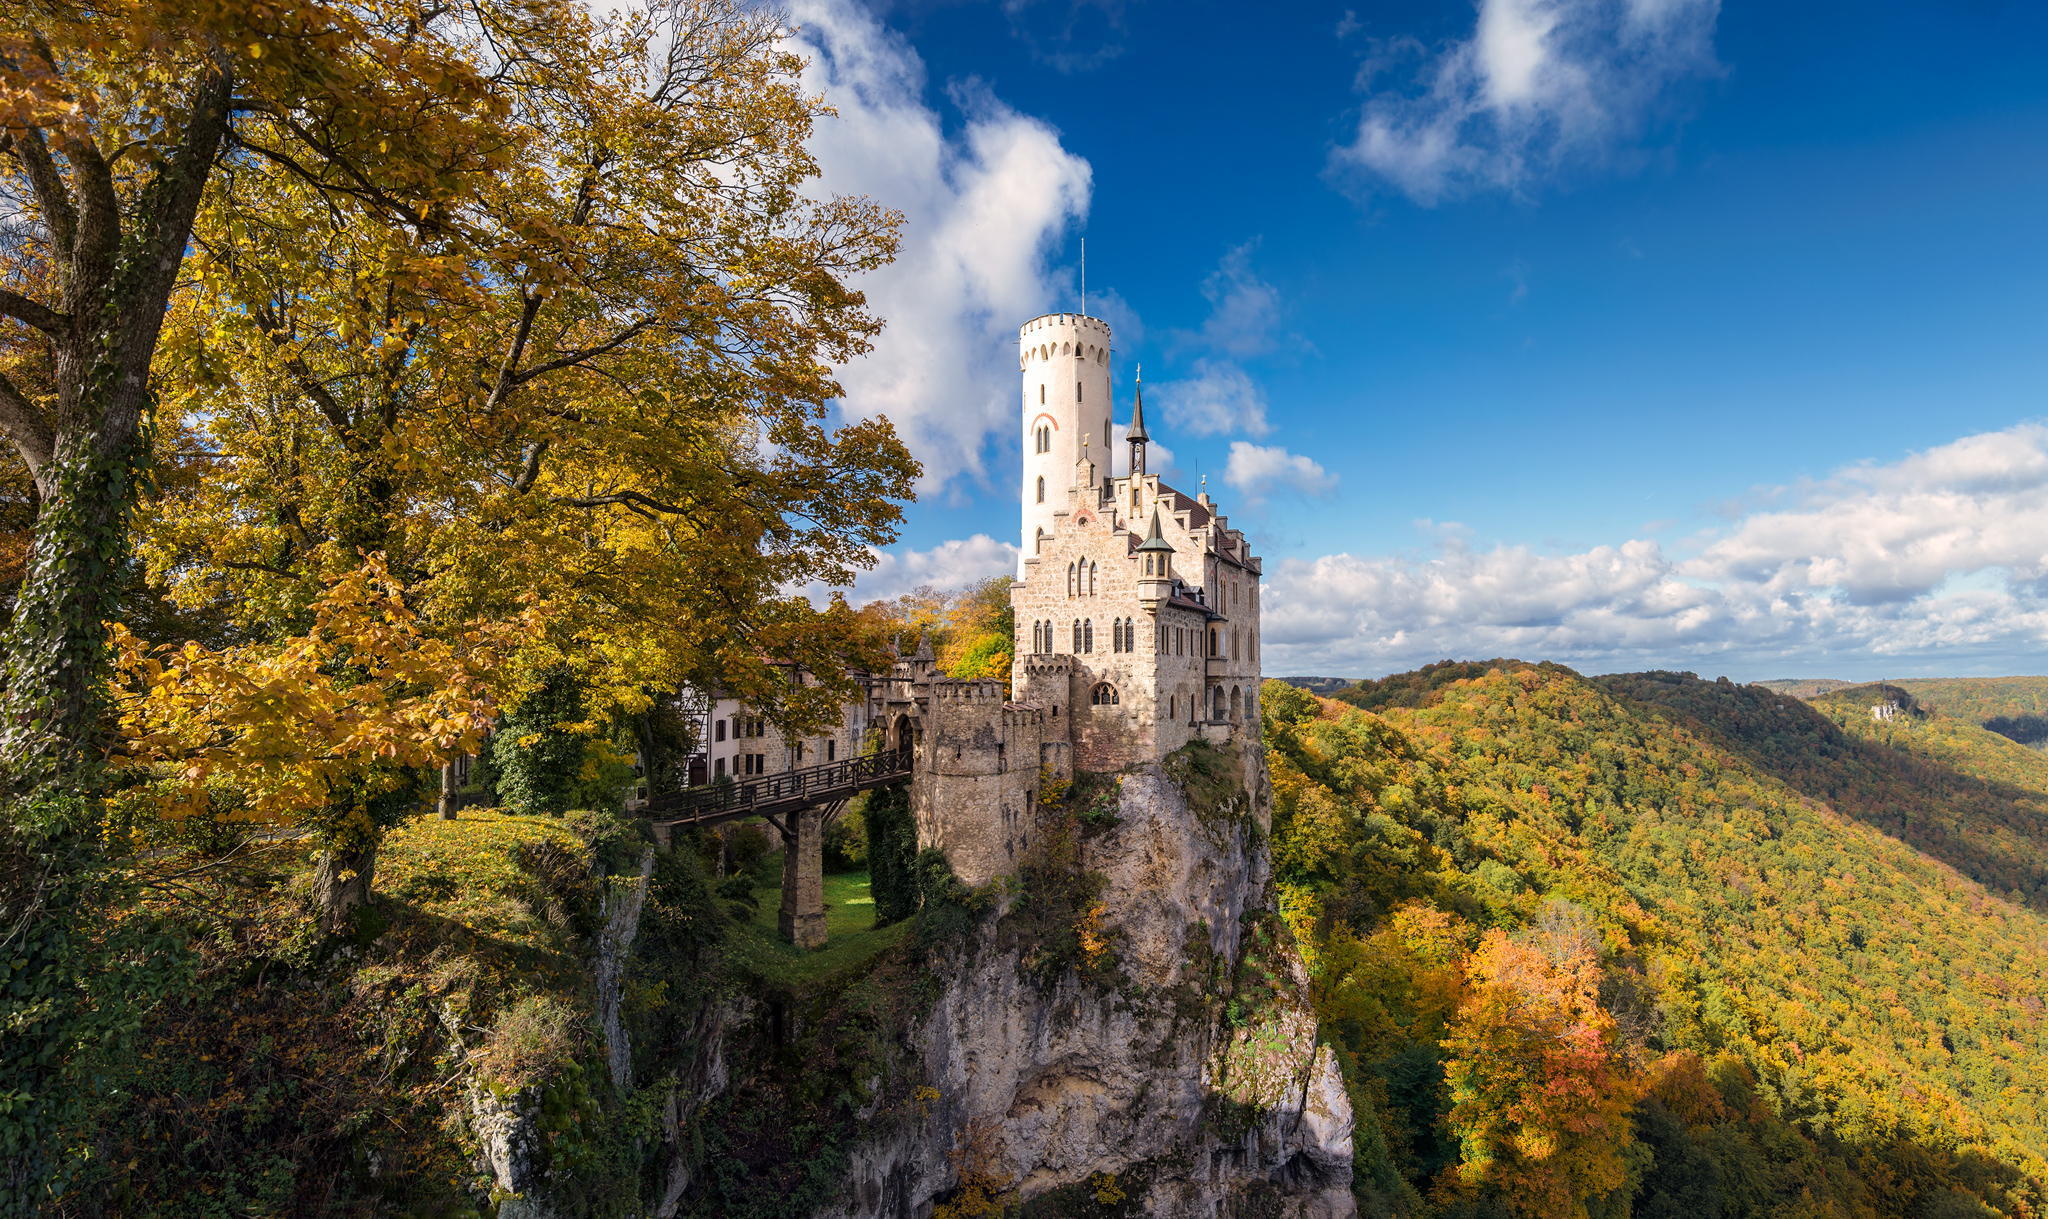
x=851 y=936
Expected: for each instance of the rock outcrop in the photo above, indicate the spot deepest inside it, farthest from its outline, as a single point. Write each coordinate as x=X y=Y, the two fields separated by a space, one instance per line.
x=1173 y=1070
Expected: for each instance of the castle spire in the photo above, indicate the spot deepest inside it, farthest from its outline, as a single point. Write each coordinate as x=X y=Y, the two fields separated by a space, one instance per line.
x=1138 y=435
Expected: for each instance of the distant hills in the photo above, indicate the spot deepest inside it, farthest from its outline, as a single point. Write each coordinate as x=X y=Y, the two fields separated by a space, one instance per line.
x=1797 y=951
x=2012 y=707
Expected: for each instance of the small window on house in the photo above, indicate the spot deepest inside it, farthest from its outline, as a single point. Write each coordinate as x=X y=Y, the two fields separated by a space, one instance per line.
x=1105 y=695
x=1041 y=488
x=720 y=733
x=1077 y=391
x=1041 y=400
x=831 y=751
x=718 y=767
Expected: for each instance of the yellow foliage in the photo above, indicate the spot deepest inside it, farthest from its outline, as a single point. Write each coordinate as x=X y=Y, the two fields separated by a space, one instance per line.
x=328 y=717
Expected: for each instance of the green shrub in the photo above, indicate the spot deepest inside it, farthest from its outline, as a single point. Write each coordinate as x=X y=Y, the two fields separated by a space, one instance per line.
x=893 y=861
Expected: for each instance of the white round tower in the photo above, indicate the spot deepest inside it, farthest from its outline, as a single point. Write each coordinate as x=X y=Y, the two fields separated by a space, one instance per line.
x=1064 y=359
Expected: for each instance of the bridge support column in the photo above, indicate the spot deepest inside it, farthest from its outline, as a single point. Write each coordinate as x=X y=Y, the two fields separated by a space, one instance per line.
x=803 y=878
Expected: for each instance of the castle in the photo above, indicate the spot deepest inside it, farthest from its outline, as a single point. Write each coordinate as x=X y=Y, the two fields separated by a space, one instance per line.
x=1137 y=633
x=1137 y=620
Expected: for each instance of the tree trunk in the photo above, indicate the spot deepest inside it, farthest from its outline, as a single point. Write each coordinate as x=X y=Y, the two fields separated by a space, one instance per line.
x=446 y=804
x=120 y=271
x=342 y=877
x=53 y=709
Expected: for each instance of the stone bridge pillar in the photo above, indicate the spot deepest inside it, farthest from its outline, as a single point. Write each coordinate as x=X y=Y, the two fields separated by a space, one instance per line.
x=802 y=917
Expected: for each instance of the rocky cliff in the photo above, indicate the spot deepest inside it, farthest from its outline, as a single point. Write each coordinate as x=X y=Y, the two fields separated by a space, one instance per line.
x=1125 y=1025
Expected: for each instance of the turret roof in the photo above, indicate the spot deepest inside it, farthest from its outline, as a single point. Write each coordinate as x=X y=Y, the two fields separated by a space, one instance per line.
x=1153 y=540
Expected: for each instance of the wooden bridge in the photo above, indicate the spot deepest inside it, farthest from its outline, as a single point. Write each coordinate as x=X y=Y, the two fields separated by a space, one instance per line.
x=772 y=796
x=798 y=803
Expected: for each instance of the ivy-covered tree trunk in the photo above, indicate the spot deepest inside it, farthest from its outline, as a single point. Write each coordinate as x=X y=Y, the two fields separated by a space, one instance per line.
x=53 y=707
x=85 y=448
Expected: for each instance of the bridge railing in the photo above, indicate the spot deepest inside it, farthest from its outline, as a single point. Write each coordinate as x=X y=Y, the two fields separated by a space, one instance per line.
x=736 y=796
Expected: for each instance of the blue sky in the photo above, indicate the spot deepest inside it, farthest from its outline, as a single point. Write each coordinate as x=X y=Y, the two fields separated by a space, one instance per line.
x=1636 y=333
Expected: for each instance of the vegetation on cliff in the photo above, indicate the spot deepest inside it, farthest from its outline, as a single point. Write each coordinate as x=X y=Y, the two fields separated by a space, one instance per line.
x=1656 y=946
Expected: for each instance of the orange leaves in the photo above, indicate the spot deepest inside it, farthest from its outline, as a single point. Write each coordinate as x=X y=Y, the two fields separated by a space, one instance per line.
x=1539 y=1100
x=294 y=726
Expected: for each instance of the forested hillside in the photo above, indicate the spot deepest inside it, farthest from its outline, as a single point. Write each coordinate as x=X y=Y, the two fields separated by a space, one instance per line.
x=1656 y=946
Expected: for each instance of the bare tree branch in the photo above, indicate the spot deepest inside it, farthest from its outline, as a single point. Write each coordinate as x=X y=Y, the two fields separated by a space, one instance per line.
x=26 y=426
x=35 y=313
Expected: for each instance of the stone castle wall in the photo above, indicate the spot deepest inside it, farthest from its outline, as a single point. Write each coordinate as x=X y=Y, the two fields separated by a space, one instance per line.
x=980 y=764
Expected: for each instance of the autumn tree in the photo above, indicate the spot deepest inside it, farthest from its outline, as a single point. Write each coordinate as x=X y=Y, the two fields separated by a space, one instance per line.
x=115 y=123
x=604 y=406
x=1539 y=1097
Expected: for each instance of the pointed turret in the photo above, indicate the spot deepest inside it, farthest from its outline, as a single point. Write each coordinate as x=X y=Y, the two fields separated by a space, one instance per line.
x=1138 y=436
x=1155 y=566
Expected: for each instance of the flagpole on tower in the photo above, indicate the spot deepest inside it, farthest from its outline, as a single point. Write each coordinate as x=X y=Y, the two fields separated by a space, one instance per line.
x=1084 y=277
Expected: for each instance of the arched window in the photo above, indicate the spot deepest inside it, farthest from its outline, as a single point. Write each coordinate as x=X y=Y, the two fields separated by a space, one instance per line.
x=1236 y=703
x=1088 y=636
x=1104 y=696
x=1077 y=634
x=1037 y=637
x=1072 y=569
x=1216 y=703
x=1041 y=402
x=1041 y=488
x=1077 y=391
x=1091 y=578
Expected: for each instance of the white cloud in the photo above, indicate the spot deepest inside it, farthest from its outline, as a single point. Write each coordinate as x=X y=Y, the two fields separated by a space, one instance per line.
x=983 y=207
x=1219 y=398
x=1937 y=559
x=1258 y=470
x=947 y=567
x=1539 y=84
x=1244 y=310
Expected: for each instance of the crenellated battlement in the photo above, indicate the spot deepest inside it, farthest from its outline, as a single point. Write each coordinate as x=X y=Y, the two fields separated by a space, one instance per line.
x=967 y=690
x=1048 y=664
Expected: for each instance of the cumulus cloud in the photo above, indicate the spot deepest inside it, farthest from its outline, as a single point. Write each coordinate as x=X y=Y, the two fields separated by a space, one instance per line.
x=1938 y=559
x=984 y=205
x=1540 y=84
x=1258 y=470
x=949 y=566
x=1220 y=397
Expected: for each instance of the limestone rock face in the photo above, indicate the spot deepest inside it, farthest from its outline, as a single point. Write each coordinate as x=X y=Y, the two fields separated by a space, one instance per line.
x=1182 y=1075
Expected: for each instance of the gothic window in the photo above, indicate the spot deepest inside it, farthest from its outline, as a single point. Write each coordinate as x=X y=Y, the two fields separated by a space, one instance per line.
x=1088 y=636
x=1077 y=635
x=1037 y=637
x=1044 y=435
x=831 y=751
x=1091 y=578
x=1104 y=696
x=1071 y=570
x=1041 y=488
x=1236 y=703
